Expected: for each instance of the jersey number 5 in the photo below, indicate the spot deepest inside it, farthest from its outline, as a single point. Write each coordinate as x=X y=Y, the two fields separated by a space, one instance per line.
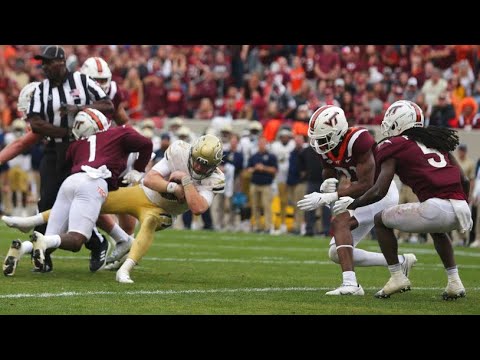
x=432 y=161
x=93 y=147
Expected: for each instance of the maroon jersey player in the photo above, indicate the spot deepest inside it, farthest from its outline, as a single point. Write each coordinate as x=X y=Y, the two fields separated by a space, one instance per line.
x=348 y=152
x=98 y=157
x=110 y=148
x=422 y=158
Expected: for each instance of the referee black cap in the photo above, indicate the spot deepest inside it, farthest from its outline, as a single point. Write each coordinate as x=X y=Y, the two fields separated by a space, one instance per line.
x=51 y=52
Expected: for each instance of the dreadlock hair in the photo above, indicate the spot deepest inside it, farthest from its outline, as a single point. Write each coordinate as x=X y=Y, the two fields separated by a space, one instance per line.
x=439 y=138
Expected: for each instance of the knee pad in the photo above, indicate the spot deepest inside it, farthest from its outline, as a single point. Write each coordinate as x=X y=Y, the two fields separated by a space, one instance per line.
x=332 y=253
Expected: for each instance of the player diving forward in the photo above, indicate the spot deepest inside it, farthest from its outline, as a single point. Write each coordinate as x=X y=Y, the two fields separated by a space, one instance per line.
x=186 y=178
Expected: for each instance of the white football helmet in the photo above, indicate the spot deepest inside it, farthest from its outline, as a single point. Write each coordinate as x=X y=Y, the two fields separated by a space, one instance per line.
x=206 y=153
x=326 y=128
x=89 y=122
x=98 y=69
x=25 y=96
x=400 y=116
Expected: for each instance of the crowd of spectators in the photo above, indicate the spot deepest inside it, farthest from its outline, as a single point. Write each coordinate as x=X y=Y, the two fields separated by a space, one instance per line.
x=265 y=82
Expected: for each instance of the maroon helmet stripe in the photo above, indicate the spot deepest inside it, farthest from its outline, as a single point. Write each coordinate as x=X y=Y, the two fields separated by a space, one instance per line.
x=99 y=65
x=315 y=115
x=94 y=117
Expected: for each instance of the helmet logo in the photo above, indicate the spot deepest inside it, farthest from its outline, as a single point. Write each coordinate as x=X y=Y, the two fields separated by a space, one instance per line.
x=332 y=120
x=314 y=118
x=218 y=154
x=393 y=110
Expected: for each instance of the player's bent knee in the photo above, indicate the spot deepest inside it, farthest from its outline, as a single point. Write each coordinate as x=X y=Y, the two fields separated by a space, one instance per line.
x=157 y=221
x=332 y=254
x=378 y=219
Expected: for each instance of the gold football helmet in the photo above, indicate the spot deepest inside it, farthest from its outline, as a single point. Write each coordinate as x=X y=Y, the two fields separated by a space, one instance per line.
x=205 y=155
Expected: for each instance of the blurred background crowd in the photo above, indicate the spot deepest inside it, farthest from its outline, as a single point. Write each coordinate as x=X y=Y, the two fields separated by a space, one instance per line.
x=271 y=90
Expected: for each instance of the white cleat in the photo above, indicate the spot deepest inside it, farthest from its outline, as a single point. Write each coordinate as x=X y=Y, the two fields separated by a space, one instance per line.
x=123 y=277
x=11 y=260
x=120 y=250
x=410 y=260
x=397 y=284
x=454 y=290
x=347 y=290
x=21 y=223
x=39 y=247
x=116 y=264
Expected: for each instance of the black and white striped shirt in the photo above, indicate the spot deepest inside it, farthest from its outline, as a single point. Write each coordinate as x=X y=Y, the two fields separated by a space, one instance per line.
x=77 y=89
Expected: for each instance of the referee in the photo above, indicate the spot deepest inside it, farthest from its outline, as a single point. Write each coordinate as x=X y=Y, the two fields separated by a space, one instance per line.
x=53 y=107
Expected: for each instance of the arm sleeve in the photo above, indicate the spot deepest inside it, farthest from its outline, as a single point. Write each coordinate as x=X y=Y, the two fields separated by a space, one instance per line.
x=36 y=103
x=162 y=168
x=134 y=142
x=94 y=90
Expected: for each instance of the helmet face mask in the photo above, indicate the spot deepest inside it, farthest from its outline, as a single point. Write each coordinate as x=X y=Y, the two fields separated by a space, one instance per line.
x=206 y=153
x=89 y=122
x=400 y=116
x=98 y=69
x=326 y=128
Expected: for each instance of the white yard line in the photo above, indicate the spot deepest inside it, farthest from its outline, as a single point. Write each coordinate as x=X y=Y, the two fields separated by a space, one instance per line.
x=192 y=291
x=267 y=260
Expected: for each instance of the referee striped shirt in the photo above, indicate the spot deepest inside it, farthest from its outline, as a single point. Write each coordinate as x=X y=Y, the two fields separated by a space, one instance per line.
x=77 y=89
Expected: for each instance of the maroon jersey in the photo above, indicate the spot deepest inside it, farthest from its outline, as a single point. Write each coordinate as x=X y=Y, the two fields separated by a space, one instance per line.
x=343 y=158
x=117 y=95
x=428 y=172
x=110 y=148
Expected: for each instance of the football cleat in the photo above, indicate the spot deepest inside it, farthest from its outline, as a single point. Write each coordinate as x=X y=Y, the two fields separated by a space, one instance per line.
x=454 y=290
x=347 y=290
x=11 y=260
x=121 y=249
x=99 y=250
x=123 y=277
x=18 y=222
x=39 y=247
x=396 y=284
x=408 y=263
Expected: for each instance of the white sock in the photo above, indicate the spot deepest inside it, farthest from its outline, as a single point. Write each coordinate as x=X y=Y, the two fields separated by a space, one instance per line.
x=27 y=247
x=118 y=234
x=349 y=278
x=368 y=258
x=395 y=270
x=53 y=241
x=128 y=265
x=452 y=274
x=37 y=219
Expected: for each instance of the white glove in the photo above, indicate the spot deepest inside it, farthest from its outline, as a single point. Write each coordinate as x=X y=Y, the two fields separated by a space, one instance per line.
x=341 y=205
x=133 y=177
x=329 y=185
x=315 y=200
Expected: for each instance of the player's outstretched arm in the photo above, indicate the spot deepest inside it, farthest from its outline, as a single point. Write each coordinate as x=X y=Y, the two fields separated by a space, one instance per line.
x=18 y=146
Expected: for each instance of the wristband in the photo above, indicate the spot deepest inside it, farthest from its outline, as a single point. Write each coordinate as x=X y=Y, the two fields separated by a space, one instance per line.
x=171 y=187
x=187 y=180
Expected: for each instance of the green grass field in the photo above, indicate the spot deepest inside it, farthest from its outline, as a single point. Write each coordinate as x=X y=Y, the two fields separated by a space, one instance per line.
x=198 y=272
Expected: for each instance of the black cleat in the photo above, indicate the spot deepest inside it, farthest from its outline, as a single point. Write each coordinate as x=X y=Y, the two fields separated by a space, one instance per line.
x=47 y=264
x=99 y=250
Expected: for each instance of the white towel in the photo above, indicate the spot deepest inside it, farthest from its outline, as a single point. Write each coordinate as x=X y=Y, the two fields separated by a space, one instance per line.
x=101 y=172
x=464 y=216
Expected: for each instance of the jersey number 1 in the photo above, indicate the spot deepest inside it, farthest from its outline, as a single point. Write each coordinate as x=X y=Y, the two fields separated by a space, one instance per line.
x=432 y=161
x=93 y=147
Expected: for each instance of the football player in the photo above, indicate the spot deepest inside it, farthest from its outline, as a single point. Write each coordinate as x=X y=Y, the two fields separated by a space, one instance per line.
x=121 y=233
x=422 y=158
x=347 y=152
x=187 y=177
x=97 y=158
